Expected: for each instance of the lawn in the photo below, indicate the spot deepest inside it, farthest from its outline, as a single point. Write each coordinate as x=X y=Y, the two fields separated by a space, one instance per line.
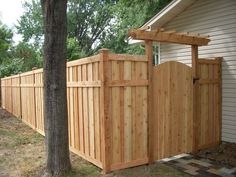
x=22 y=154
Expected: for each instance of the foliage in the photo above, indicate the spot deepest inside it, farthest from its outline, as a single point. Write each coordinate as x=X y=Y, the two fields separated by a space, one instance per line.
x=28 y=54
x=5 y=41
x=73 y=49
x=91 y=25
x=88 y=22
x=22 y=57
x=131 y=14
x=94 y=24
x=30 y=25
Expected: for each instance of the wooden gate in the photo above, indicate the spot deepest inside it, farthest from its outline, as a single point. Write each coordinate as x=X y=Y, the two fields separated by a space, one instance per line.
x=172 y=109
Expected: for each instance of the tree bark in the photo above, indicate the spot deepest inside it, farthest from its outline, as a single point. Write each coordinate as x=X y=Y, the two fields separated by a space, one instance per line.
x=55 y=102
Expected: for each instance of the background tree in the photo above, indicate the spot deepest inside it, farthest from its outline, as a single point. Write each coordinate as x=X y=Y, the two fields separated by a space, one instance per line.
x=5 y=42
x=91 y=25
x=55 y=102
x=20 y=58
x=128 y=15
x=94 y=24
x=88 y=22
x=30 y=25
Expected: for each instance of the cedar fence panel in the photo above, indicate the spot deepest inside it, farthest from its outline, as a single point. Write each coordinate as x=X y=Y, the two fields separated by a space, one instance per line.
x=209 y=103
x=127 y=84
x=38 y=91
x=28 y=98
x=7 y=94
x=83 y=95
x=16 y=96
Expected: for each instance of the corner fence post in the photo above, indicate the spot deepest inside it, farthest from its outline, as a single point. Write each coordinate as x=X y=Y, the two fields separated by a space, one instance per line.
x=149 y=55
x=104 y=109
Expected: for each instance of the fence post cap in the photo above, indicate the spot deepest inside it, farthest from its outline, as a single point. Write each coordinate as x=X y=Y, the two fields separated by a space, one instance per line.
x=103 y=50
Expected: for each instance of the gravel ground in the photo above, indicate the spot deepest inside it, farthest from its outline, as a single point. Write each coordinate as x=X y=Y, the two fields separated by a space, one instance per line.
x=224 y=154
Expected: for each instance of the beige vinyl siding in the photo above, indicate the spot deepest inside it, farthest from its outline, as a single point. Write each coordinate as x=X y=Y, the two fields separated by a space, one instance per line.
x=216 y=18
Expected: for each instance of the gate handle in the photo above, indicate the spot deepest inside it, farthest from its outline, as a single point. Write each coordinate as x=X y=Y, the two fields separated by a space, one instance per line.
x=195 y=79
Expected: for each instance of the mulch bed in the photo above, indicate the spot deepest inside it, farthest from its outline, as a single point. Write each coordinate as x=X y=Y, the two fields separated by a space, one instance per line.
x=224 y=154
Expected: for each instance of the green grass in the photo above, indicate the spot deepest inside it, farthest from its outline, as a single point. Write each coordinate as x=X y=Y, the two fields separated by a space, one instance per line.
x=8 y=133
x=17 y=139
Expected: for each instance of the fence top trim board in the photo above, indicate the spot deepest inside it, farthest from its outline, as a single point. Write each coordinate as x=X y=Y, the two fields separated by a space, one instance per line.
x=11 y=77
x=82 y=61
x=128 y=57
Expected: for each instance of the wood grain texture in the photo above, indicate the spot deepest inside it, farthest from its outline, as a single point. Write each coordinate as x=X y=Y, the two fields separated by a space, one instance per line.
x=129 y=133
x=209 y=104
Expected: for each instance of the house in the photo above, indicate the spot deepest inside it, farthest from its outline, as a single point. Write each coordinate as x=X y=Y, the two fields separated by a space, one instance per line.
x=208 y=17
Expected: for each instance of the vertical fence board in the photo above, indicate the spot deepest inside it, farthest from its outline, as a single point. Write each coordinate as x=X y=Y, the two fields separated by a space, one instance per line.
x=127 y=114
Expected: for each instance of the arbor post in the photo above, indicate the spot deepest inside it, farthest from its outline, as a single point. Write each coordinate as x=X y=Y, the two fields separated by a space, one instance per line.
x=195 y=64
x=149 y=55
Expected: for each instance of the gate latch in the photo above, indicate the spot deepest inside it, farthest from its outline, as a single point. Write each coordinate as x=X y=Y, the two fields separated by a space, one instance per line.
x=195 y=79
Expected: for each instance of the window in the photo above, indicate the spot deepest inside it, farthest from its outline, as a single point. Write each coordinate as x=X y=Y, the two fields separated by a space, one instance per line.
x=156 y=53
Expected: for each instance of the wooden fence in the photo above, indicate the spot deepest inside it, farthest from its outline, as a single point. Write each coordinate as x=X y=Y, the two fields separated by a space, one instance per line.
x=107 y=107
x=107 y=97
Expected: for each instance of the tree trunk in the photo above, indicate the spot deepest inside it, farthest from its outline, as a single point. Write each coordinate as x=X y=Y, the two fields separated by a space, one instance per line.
x=55 y=102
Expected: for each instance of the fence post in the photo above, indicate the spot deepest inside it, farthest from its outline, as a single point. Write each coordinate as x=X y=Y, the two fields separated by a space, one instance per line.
x=219 y=59
x=195 y=63
x=149 y=55
x=104 y=110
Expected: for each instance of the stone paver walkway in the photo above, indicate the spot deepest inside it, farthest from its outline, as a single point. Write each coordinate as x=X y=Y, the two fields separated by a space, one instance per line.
x=199 y=167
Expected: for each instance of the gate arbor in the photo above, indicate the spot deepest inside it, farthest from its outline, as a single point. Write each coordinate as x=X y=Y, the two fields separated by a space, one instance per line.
x=184 y=106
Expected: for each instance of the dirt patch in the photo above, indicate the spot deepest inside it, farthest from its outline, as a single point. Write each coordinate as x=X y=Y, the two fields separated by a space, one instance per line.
x=224 y=154
x=22 y=154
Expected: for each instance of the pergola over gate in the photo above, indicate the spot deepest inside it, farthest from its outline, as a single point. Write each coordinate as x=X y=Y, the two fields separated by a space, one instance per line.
x=182 y=112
